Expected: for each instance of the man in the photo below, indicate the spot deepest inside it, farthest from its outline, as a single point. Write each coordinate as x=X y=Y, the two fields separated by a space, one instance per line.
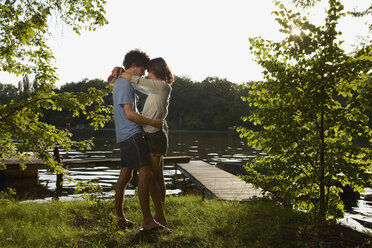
x=133 y=149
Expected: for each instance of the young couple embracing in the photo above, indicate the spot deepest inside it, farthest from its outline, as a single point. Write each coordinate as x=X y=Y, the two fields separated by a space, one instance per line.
x=142 y=138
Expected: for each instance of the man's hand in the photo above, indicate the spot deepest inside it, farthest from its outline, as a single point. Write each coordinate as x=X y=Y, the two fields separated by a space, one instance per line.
x=158 y=123
x=133 y=116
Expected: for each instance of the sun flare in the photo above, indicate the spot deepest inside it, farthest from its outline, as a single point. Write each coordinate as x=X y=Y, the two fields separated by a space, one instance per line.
x=296 y=31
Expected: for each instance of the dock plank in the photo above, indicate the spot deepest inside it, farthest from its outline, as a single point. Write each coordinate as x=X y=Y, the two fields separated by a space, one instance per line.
x=218 y=183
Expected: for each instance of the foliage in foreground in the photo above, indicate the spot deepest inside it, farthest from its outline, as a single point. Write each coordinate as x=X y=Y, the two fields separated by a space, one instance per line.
x=312 y=109
x=195 y=223
x=24 y=31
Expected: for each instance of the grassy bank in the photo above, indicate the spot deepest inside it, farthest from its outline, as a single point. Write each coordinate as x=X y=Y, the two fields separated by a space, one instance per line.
x=196 y=223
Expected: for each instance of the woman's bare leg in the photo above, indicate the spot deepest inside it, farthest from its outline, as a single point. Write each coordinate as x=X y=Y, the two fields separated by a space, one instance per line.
x=145 y=179
x=157 y=169
x=159 y=177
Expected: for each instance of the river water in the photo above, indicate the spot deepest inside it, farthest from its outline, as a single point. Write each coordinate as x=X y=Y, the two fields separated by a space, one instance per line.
x=211 y=147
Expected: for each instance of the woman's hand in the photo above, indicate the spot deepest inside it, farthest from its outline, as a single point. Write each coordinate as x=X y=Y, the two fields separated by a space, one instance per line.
x=126 y=75
x=115 y=74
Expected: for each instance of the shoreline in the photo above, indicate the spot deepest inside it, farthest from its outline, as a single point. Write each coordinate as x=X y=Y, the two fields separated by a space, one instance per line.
x=89 y=129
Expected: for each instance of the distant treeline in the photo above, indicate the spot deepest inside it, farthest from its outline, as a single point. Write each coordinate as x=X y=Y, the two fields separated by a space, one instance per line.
x=213 y=104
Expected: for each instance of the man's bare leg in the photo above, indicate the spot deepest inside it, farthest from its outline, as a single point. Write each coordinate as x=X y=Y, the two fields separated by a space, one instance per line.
x=125 y=177
x=158 y=186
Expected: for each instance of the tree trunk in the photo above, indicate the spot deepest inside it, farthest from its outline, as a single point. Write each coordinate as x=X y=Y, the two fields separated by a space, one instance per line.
x=322 y=207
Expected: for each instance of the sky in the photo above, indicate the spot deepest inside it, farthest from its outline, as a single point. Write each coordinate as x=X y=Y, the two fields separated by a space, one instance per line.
x=197 y=38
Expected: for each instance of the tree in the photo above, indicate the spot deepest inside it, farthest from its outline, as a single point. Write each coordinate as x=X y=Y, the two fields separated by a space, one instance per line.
x=60 y=118
x=7 y=92
x=212 y=104
x=26 y=85
x=355 y=13
x=311 y=106
x=24 y=31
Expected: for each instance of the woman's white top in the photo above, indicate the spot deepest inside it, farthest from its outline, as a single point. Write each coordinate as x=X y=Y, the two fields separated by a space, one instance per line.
x=157 y=101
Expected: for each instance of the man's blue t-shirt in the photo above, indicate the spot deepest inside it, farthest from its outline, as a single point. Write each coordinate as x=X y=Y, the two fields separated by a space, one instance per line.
x=123 y=93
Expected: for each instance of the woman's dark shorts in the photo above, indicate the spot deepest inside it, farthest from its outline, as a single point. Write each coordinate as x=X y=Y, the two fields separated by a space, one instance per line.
x=134 y=152
x=157 y=143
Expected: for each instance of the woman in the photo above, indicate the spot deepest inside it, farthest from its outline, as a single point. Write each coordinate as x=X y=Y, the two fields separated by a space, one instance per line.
x=157 y=87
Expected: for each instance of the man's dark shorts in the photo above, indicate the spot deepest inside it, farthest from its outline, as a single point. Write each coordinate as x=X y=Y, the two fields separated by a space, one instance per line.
x=134 y=152
x=157 y=143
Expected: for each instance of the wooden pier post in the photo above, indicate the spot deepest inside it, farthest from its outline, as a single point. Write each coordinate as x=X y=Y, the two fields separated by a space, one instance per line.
x=59 y=181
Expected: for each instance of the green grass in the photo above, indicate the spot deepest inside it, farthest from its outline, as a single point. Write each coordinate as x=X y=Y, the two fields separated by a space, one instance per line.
x=195 y=223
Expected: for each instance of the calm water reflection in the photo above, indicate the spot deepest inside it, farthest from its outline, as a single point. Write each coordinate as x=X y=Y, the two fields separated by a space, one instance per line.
x=209 y=147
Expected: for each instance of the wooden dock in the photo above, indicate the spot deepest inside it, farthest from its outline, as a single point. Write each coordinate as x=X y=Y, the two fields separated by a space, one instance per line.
x=31 y=173
x=215 y=182
x=212 y=181
x=35 y=163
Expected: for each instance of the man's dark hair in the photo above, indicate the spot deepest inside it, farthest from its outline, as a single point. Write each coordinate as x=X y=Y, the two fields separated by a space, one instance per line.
x=137 y=58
